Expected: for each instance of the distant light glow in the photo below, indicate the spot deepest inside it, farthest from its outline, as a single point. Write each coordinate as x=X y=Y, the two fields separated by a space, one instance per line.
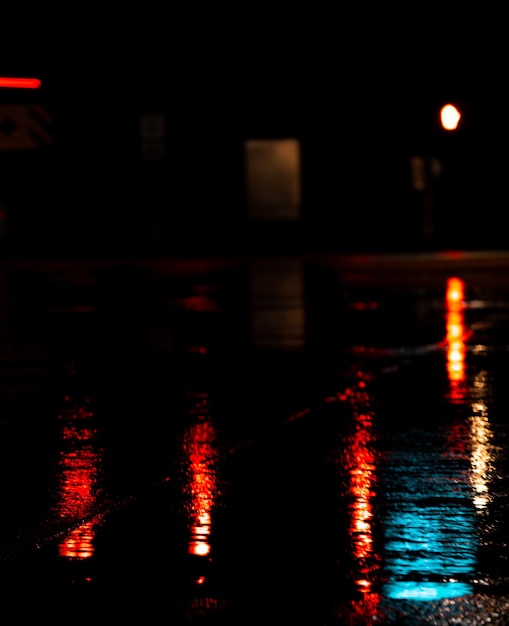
x=20 y=83
x=361 y=462
x=450 y=117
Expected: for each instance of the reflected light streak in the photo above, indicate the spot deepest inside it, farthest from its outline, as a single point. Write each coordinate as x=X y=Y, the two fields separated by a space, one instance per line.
x=455 y=338
x=79 y=544
x=79 y=463
x=361 y=464
x=431 y=541
x=200 y=456
x=455 y=292
x=278 y=312
x=426 y=591
x=431 y=537
x=481 y=459
x=361 y=488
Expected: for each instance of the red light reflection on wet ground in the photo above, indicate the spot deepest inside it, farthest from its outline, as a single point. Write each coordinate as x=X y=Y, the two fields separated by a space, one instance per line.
x=362 y=467
x=361 y=464
x=199 y=451
x=78 y=467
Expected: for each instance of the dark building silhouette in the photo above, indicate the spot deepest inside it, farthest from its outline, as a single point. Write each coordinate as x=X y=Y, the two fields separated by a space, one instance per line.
x=141 y=138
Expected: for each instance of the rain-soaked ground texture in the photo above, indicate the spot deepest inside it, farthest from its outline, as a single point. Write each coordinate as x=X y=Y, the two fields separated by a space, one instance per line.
x=291 y=441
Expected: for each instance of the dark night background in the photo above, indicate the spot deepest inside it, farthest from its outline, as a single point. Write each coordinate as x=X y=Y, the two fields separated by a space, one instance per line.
x=359 y=87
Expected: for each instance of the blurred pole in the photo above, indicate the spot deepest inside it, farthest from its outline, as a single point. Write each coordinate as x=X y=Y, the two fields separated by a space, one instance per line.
x=424 y=172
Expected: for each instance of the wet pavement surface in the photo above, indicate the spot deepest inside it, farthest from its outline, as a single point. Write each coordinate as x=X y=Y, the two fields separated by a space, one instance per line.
x=307 y=440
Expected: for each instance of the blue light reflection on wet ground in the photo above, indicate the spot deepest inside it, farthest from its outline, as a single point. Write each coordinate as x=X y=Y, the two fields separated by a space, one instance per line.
x=263 y=439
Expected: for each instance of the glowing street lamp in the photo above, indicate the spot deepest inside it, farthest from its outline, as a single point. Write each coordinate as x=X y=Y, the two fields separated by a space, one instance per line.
x=450 y=117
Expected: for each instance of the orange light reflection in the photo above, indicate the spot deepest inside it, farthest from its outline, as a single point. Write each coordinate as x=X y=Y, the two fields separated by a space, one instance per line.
x=482 y=450
x=455 y=337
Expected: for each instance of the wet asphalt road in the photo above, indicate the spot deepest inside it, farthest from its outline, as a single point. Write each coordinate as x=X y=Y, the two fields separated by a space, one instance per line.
x=191 y=442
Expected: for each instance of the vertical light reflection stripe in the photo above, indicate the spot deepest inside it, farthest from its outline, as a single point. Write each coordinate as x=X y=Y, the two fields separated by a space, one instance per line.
x=199 y=456
x=360 y=462
x=79 y=466
x=480 y=430
x=455 y=338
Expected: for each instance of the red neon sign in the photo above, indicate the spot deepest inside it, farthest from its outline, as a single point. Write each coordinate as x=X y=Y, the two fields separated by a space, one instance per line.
x=20 y=83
